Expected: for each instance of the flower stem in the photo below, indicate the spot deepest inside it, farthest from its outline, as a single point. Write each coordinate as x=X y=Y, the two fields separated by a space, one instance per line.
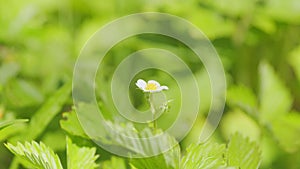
x=153 y=111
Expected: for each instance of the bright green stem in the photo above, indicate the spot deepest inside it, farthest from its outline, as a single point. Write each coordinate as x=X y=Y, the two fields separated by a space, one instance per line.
x=153 y=110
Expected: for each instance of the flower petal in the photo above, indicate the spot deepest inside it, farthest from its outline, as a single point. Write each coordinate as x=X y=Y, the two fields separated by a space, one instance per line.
x=141 y=84
x=154 y=82
x=163 y=88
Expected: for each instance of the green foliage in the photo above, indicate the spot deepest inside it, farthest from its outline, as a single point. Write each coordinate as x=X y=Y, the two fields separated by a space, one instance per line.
x=38 y=155
x=71 y=124
x=242 y=153
x=167 y=160
x=275 y=107
x=145 y=147
x=244 y=98
x=294 y=60
x=239 y=153
x=46 y=113
x=7 y=71
x=11 y=127
x=272 y=113
x=206 y=155
x=114 y=163
x=12 y=130
x=258 y=44
x=275 y=99
x=285 y=11
x=240 y=121
x=288 y=136
x=80 y=157
x=159 y=141
x=20 y=93
x=241 y=96
x=8 y=123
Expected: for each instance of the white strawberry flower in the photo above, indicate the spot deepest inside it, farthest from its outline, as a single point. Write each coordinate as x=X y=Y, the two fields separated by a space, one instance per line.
x=151 y=86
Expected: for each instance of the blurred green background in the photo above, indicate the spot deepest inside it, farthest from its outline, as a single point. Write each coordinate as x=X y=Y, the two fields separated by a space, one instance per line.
x=257 y=40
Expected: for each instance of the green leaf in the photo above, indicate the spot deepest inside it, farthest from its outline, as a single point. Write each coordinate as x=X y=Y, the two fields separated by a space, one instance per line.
x=162 y=151
x=242 y=97
x=11 y=122
x=56 y=140
x=46 y=113
x=11 y=127
x=203 y=156
x=12 y=130
x=238 y=121
x=39 y=155
x=295 y=61
x=21 y=93
x=8 y=71
x=114 y=163
x=242 y=153
x=240 y=8
x=263 y=22
x=71 y=124
x=167 y=160
x=274 y=95
x=285 y=11
x=80 y=157
x=286 y=130
x=140 y=147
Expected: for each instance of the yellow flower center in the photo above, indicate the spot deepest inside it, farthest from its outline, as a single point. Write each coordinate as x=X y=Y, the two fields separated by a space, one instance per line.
x=151 y=86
